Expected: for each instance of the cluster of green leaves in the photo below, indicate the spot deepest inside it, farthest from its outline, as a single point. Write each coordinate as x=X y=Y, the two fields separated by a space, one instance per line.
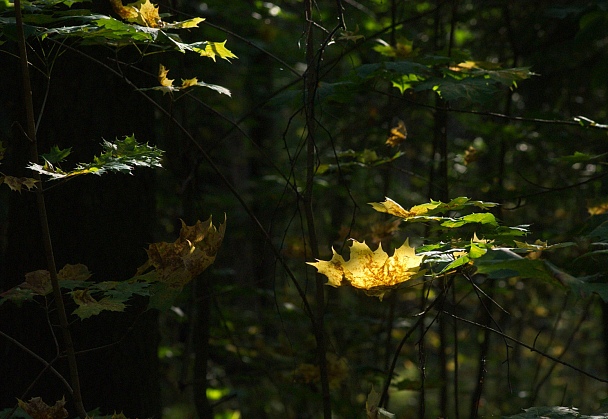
x=455 y=78
x=121 y=156
x=144 y=26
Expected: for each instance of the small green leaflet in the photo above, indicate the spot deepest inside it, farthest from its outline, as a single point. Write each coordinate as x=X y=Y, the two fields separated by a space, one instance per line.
x=56 y=155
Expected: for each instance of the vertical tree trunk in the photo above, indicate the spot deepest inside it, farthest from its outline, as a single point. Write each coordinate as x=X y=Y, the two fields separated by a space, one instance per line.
x=102 y=222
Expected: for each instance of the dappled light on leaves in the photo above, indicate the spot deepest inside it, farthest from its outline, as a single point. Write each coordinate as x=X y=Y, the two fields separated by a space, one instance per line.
x=38 y=409
x=391 y=207
x=175 y=264
x=372 y=271
x=215 y=49
x=142 y=12
x=166 y=84
x=119 y=156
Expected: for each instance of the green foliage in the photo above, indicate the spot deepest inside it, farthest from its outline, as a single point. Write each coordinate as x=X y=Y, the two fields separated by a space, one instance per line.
x=529 y=270
x=122 y=156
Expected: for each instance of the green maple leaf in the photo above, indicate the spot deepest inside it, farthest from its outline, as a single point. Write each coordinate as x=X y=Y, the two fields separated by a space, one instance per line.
x=57 y=155
x=89 y=306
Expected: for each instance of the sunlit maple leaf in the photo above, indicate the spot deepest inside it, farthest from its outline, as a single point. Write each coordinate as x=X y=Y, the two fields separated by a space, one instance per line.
x=213 y=49
x=38 y=409
x=391 y=207
x=373 y=271
x=189 y=82
x=398 y=134
x=597 y=206
x=142 y=12
x=162 y=78
x=186 y=24
x=179 y=262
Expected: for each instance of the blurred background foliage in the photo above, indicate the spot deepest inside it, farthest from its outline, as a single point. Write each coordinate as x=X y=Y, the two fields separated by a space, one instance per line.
x=504 y=143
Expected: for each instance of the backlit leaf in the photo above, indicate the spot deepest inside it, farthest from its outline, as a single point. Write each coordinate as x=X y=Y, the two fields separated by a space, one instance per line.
x=373 y=271
x=186 y=24
x=142 y=12
x=120 y=156
x=162 y=76
x=213 y=49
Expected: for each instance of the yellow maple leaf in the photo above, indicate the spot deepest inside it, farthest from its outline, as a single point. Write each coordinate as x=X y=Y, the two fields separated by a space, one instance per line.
x=372 y=271
x=162 y=76
x=189 y=82
x=213 y=49
x=597 y=206
x=398 y=134
x=391 y=207
x=179 y=262
x=190 y=23
x=142 y=12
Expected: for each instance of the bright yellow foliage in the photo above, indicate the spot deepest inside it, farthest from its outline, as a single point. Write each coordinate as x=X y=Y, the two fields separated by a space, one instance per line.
x=162 y=77
x=213 y=49
x=141 y=12
x=189 y=82
x=391 y=207
x=372 y=271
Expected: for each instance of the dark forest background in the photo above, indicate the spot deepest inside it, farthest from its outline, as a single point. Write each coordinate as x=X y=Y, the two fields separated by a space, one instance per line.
x=238 y=341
